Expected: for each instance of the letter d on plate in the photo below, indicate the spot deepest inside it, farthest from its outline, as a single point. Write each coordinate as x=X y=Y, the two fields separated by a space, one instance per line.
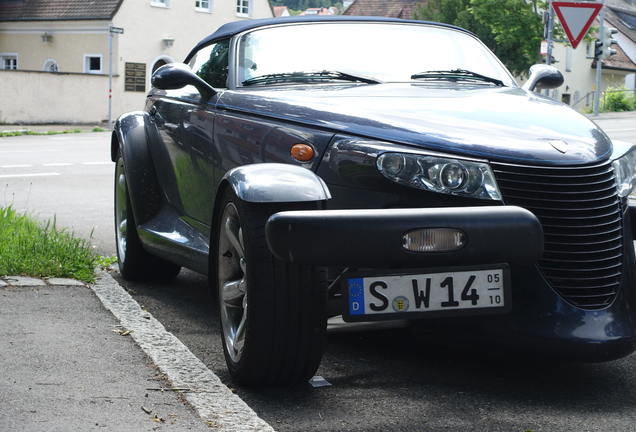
x=356 y=296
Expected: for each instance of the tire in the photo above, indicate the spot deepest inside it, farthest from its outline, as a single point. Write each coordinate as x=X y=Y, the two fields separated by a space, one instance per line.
x=272 y=313
x=134 y=262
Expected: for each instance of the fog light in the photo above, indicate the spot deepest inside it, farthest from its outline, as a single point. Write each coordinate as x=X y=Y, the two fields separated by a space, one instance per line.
x=434 y=240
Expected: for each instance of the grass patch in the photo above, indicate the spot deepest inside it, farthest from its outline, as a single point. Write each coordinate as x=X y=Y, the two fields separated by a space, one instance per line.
x=42 y=250
x=29 y=132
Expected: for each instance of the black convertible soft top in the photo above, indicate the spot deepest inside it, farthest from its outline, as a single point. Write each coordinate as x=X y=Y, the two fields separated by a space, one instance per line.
x=230 y=29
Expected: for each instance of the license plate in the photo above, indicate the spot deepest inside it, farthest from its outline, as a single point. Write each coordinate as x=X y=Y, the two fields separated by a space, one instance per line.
x=435 y=293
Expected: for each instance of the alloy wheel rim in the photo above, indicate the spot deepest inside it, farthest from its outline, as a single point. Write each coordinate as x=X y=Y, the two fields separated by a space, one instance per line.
x=121 y=211
x=232 y=282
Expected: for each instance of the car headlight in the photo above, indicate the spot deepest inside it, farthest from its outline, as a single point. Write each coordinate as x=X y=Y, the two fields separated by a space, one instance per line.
x=625 y=170
x=442 y=175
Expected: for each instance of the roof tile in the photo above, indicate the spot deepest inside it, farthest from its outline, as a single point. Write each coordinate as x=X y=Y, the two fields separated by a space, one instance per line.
x=38 y=10
x=386 y=8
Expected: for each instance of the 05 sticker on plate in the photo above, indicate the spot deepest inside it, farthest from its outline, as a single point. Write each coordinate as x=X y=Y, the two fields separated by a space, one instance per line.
x=434 y=292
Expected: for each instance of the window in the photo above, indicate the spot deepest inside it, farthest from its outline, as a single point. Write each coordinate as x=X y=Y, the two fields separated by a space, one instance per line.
x=50 y=65
x=9 y=61
x=243 y=7
x=566 y=98
x=160 y=3
x=203 y=5
x=284 y=49
x=211 y=63
x=628 y=19
x=93 y=63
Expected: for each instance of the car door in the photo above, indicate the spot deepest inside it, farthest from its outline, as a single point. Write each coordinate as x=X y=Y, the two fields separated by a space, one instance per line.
x=193 y=156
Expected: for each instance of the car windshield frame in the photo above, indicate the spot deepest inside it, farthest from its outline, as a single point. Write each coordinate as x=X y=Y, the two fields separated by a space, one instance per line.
x=235 y=81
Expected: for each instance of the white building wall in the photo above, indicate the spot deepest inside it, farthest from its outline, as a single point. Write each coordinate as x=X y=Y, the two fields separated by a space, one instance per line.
x=580 y=77
x=68 y=42
x=72 y=99
x=145 y=26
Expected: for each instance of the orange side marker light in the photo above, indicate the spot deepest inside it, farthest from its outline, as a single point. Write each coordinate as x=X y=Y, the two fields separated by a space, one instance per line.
x=302 y=152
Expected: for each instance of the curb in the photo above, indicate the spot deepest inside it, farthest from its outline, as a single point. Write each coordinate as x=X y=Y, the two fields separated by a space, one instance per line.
x=612 y=115
x=211 y=399
x=24 y=281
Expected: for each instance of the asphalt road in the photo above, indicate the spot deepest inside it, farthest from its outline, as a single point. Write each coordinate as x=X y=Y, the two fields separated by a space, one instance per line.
x=66 y=178
x=381 y=379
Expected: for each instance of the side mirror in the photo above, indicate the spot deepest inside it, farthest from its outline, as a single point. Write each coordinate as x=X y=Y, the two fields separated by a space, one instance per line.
x=178 y=75
x=543 y=77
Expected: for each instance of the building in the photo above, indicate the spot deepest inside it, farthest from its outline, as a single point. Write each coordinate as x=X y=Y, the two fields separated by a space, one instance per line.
x=394 y=8
x=579 y=67
x=55 y=55
x=281 y=11
x=319 y=11
x=346 y=4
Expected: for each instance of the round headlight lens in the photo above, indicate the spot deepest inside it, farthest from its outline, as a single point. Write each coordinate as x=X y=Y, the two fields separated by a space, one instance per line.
x=393 y=164
x=453 y=176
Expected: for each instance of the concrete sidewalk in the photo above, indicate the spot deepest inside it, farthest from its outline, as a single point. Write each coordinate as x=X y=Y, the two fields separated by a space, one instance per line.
x=67 y=365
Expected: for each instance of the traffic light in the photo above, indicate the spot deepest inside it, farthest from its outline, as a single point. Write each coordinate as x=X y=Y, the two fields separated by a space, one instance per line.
x=598 y=49
x=607 y=42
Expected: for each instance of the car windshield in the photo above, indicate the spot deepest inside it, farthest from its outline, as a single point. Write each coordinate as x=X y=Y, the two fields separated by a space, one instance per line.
x=385 y=52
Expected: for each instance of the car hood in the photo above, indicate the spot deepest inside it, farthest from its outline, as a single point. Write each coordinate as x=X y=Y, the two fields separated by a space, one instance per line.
x=499 y=123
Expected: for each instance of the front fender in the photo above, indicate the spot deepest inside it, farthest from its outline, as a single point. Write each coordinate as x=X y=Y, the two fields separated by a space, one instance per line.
x=276 y=183
x=131 y=133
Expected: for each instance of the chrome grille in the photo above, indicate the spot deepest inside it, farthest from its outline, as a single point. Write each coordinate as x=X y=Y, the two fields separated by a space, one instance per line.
x=581 y=216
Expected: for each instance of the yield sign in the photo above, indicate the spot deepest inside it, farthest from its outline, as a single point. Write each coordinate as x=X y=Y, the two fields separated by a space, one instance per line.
x=576 y=18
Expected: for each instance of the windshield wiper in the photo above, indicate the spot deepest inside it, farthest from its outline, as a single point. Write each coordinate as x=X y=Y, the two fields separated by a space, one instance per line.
x=456 y=74
x=308 y=76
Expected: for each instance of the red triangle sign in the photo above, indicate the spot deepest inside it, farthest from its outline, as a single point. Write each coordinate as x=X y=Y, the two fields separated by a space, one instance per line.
x=576 y=18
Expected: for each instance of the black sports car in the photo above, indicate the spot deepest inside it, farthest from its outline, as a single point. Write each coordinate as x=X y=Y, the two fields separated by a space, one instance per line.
x=376 y=169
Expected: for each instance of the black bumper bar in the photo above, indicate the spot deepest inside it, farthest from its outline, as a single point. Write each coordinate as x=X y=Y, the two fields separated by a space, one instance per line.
x=374 y=237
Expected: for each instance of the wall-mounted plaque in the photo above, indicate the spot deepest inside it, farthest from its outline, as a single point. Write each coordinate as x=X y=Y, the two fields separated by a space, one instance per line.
x=135 y=77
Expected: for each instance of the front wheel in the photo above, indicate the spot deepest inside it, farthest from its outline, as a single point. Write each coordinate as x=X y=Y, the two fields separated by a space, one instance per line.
x=134 y=262
x=272 y=313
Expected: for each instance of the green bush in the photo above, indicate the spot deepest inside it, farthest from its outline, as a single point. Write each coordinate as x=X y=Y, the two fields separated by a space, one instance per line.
x=617 y=100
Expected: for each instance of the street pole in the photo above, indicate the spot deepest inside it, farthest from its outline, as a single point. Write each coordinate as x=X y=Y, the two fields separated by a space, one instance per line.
x=110 y=76
x=599 y=63
x=548 y=59
x=111 y=30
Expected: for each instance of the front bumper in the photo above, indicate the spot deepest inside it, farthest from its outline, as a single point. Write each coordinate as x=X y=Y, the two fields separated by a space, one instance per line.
x=540 y=321
x=373 y=238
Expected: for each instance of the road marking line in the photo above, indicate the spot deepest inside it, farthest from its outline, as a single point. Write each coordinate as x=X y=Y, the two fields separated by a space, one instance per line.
x=29 y=175
x=211 y=399
x=96 y=163
x=16 y=166
x=32 y=151
x=57 y=164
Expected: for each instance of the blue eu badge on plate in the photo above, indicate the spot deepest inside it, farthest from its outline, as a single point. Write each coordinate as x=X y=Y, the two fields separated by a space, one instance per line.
x=356 y=296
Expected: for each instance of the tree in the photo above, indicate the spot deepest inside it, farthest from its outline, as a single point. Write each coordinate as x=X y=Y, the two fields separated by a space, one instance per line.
x=512 y=29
